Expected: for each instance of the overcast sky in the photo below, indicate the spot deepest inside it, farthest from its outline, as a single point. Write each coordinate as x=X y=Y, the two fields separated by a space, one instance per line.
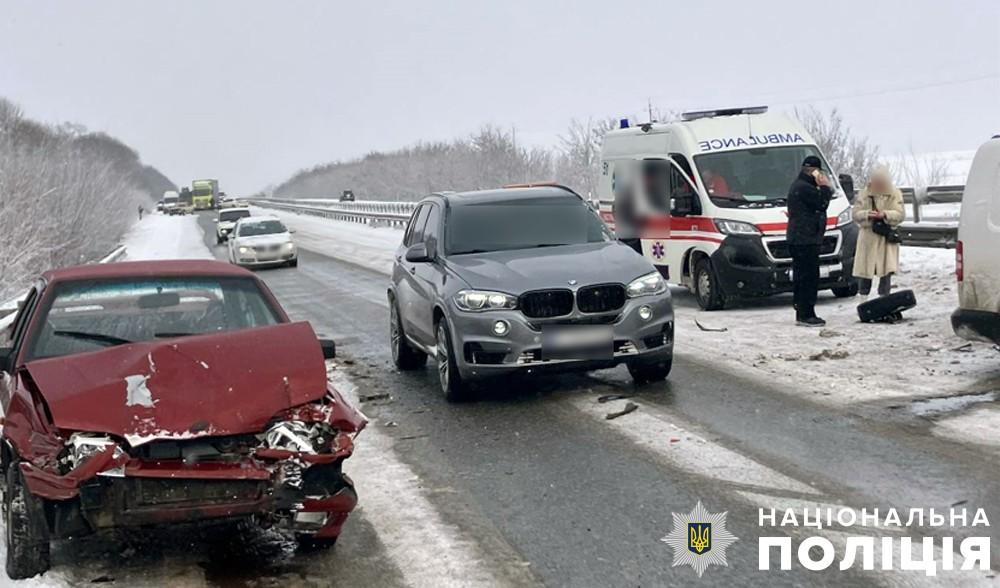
x=250 y=91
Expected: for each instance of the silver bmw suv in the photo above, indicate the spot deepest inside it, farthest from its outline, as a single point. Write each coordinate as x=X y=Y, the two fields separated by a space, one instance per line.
x=520 y=280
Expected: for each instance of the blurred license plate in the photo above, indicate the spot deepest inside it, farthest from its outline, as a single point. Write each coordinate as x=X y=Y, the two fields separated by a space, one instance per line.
x=826 y=270
x=577 y=342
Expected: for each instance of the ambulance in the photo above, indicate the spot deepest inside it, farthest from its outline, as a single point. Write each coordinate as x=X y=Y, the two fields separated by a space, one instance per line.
x=704 y=198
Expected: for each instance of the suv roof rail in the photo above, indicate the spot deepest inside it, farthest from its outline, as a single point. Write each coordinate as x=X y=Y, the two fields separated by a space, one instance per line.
x=542 y=185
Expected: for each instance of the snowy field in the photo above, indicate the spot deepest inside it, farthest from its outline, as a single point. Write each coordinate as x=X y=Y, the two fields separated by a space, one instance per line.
x=847 y=363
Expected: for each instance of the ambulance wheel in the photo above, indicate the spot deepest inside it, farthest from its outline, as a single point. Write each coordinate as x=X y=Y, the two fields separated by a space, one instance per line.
x=846 y=291
x=706 y=286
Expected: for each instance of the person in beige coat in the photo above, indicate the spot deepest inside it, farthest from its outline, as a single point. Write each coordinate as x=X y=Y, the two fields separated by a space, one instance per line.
x=875 y=256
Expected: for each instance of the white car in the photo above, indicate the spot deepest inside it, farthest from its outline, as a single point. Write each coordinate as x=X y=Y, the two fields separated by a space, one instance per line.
x=978 y=249
x=262 y=241
x=226 y=221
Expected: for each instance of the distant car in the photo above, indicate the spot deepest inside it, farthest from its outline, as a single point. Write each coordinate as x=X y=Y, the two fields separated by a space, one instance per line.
x=228 y=202
x=977 y=262
x=498 y=282
x=347 y=196
x=258 y=241
x=159 y=206
x=226 y=221
x=128 y=401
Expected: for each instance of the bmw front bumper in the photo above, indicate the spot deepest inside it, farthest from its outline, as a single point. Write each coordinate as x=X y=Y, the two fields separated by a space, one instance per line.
x=481 y=354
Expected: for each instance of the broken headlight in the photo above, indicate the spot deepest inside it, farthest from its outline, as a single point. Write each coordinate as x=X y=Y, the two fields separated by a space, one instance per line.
x=299 y=436
x=85 y=445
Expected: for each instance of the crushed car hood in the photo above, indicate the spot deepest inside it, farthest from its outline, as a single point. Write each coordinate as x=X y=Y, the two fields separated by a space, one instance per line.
x=217 y=384
x=521 y=270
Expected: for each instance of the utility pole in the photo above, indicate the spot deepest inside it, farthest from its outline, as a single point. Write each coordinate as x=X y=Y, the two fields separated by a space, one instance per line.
x=649 y=104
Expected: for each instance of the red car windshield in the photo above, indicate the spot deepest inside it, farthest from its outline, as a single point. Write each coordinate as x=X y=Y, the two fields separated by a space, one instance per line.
x=90 y=315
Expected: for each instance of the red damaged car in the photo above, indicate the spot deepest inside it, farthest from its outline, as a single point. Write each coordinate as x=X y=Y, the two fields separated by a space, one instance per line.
x=168 y=391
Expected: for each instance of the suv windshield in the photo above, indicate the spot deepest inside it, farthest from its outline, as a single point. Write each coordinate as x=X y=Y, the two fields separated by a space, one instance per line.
x=522 y=224
x=232 y=215
x=264 y=227
x=93 y=314
x=742 y=178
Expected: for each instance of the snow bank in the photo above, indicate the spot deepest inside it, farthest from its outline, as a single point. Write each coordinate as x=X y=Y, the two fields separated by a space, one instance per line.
x=158 y=236
x=918 y=357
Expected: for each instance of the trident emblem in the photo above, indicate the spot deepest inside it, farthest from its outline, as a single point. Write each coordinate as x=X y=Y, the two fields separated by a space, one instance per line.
x=699 y=537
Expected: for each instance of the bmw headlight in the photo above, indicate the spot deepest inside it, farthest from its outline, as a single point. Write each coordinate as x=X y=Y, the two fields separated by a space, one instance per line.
x=732 y=227
x=845 y=217
x=647 y=285
x=479 y=300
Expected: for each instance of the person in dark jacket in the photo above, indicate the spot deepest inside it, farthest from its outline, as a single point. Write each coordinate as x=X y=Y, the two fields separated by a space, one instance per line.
x=808 y=199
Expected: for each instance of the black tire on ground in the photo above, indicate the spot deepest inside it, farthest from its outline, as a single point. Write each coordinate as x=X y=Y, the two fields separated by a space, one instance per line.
x=454 y=389
x=26 y=528
x=404 y=356
x=294 y=262
x=219 y=240
x=647 y=373
x=887 y=308
x=706 y=286
x=847 y=291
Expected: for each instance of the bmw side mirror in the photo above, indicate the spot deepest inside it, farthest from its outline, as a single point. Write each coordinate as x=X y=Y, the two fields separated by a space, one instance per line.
x=417 y=253
x=6 y=359
x=329 y=348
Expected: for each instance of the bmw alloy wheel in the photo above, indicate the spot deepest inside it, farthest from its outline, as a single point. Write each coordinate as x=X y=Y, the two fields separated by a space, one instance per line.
x=442 y=356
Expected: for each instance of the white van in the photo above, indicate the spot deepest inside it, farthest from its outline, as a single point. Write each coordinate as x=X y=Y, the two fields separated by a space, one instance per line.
x=714 y=186
x=977 y=253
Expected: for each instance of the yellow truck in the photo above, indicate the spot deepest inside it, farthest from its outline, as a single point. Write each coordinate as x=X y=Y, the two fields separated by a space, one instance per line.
x=204 y=194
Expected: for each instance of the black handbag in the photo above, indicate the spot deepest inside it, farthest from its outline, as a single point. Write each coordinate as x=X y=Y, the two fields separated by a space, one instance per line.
x=884 y=229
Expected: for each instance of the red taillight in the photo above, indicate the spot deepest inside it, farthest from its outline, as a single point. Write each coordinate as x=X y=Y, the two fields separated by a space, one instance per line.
x=959 y=262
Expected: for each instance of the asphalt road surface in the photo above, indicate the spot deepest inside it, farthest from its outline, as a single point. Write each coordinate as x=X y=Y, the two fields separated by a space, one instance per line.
x=531 y=485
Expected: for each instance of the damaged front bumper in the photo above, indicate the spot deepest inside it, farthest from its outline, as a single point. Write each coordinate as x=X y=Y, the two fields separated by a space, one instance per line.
x=290 y=476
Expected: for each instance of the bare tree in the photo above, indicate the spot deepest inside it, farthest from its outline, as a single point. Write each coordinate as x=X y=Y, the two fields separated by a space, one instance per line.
x=916 y=171
x=66 y=196
x=489 y=158
x=579 y=158
x=846 y=151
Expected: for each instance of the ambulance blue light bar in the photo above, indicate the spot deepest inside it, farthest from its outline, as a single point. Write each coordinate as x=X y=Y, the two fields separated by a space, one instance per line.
x=623 y=123
x=695 y=115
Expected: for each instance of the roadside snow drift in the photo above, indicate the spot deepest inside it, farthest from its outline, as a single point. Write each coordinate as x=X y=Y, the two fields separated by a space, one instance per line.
x=158 y=236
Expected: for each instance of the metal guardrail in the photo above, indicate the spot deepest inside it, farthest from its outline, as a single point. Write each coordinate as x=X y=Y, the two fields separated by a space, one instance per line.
x=925 y=226
x=370 y=212
x=932 y=216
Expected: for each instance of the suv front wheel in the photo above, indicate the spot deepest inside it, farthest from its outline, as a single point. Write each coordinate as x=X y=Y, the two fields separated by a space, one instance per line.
x=404 y=356
x=451 y=381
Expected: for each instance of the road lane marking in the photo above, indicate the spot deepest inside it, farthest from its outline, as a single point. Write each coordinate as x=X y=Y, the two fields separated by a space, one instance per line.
x=429 y=551
x=686 y=450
